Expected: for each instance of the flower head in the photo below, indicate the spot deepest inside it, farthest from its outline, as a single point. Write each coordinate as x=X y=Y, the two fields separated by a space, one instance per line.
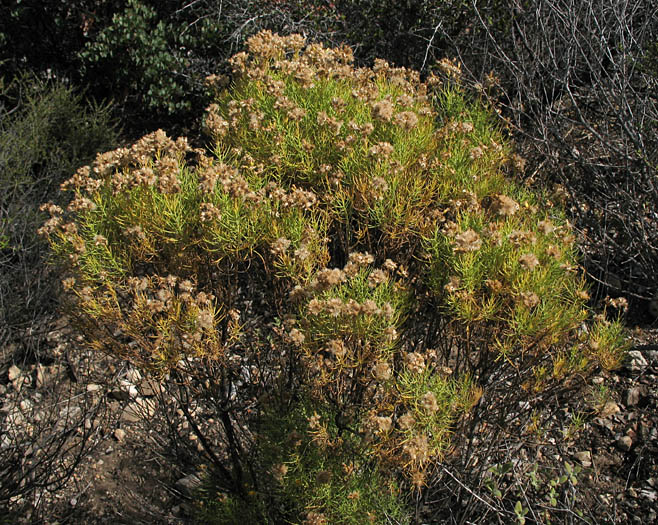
x=468 y=241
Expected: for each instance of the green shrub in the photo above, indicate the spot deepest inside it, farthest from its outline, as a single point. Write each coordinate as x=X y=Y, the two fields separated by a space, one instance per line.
x=347 y=286
x=140 y=53
x=46 y=132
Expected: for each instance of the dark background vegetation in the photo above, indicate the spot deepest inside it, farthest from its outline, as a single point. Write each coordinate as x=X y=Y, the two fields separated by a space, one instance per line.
x=575 y=84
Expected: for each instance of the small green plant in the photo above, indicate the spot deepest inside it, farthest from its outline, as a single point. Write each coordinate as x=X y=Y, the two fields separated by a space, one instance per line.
x=348 y=250
x=541 y=494
x=598 y=396
x=577 y=421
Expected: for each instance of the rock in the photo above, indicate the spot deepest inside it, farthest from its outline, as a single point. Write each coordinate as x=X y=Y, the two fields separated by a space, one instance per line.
x=139 y=409
x=187 y=485
x=119 y=395
x=598 y=380
x=632 y=396
x=606 y=423
x=609 y=409
x=636 y=361
x=584 y=457
x=14 y=373
x=149 y=388
x=130 y=388
x=120 y=434
x=625 y=443
x=93 y=387
x=70 y=412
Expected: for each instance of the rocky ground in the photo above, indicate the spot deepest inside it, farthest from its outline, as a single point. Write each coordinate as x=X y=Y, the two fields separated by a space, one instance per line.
x=126 y=474
x=619 y=447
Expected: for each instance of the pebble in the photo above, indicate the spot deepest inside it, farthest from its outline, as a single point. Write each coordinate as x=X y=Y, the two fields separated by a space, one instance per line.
x=625 y=443
x=92 y=387
x=120 y=434
x=188 y=484
x=632 y=396
x=584 y=457
x=636 y=361
x=13 y=373
x=139 y=409
x=609 y=409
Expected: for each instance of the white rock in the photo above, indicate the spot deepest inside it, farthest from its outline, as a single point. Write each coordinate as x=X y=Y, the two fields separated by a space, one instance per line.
x=120 y=434
x=130 y=388
x=585 y=458
x=14 y=373
x=93 y=387
x=636 y=360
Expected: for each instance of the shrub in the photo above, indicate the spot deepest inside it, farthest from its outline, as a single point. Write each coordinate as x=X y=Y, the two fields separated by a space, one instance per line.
x=577 y=87
x=45 y=132
x=340 y=294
